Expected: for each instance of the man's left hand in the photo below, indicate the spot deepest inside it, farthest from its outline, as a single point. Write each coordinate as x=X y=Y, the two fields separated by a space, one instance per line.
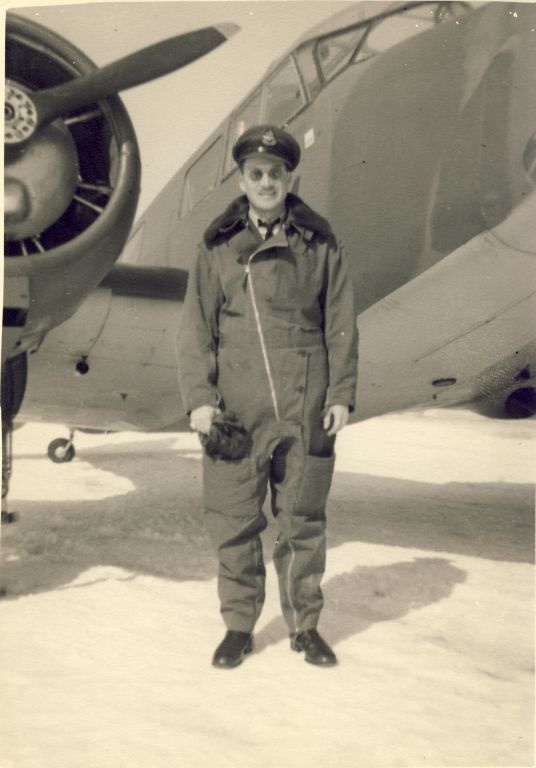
x=335 y=418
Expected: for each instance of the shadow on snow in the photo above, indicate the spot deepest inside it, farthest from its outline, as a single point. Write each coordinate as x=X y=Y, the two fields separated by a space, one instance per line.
x=158 y=529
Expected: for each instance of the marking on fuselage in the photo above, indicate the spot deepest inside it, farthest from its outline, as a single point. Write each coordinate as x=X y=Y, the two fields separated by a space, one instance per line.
x=309 y=138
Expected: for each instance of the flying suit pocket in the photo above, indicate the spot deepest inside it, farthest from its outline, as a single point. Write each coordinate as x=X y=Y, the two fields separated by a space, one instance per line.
x=314 y=487
x=228 y=486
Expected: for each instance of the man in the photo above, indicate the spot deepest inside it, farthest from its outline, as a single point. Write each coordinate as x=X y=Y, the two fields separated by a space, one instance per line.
x=269 y=333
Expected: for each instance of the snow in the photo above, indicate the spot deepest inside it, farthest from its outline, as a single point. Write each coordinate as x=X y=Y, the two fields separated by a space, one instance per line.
x=110 y=613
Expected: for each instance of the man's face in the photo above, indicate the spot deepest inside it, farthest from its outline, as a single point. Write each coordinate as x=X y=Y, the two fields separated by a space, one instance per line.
x=265 y=181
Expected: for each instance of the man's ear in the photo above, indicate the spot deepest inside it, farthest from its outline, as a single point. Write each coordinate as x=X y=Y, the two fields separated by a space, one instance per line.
x=241 y=184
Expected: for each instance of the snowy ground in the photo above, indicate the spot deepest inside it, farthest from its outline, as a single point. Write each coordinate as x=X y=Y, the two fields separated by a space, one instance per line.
x=110 y=617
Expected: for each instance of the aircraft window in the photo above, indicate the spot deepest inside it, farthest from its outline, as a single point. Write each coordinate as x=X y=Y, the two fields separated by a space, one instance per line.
x=340 y=49
x=308 y=69
x=201 y=177
x=335 y=52
x=445 y=11
x=283 y=94
x=393 y=29
x=248 y=115
x=133 y=249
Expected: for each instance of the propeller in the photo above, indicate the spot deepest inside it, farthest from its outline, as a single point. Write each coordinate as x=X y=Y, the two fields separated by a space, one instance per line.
x=26 y=114
x=41 y=168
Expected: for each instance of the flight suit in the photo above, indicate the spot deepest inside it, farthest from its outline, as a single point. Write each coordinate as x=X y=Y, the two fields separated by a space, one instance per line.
x=269 y=332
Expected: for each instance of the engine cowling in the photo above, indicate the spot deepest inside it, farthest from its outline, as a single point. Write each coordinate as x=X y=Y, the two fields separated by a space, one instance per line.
x=71 y=193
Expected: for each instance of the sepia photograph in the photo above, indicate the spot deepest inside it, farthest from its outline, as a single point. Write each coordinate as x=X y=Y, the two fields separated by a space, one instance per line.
x=268 y=384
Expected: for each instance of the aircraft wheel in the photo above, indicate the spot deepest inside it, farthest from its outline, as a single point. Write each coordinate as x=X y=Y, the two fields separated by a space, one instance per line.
x=61 y=450
x=521 y=403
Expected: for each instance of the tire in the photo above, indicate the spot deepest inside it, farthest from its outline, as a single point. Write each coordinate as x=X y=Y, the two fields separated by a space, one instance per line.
x=521 y=404
x=61 y=450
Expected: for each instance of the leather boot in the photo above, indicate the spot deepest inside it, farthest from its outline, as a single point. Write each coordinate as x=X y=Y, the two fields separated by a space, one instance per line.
x=317 y=651
x=232 y=649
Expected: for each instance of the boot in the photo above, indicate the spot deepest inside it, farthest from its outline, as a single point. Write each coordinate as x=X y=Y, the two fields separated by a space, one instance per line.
x=232 y=649
x=317 y=651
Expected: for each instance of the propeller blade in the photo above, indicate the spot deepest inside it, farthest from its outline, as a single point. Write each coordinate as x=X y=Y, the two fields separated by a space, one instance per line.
x=134 y=69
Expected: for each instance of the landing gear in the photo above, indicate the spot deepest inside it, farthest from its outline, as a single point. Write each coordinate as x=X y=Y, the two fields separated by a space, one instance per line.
x=521 y=403
x=62 y=449
x=7 y=456
x=13 y=385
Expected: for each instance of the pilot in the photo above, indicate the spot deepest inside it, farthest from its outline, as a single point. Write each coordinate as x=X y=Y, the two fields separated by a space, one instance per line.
x=268 y=332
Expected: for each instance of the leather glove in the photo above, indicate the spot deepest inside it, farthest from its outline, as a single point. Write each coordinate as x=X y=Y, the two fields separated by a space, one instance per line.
x=227 y=439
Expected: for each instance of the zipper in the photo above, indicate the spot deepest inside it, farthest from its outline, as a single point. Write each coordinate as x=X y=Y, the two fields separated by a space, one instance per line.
x=249 y=275
x=289 y=593
x=261 y=336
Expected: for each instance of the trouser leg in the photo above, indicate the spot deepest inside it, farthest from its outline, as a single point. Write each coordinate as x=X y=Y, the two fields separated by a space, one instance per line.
x=300 y=485
x=233 y=496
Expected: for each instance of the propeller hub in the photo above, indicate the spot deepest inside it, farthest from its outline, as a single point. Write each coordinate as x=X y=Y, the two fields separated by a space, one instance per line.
x=39 y=182
x=20 y=115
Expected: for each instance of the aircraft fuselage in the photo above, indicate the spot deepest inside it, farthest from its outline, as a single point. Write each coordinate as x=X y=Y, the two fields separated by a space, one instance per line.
x=421 y=154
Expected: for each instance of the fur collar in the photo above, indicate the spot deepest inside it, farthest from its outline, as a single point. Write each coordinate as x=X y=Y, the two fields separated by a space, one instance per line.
x=300 y=216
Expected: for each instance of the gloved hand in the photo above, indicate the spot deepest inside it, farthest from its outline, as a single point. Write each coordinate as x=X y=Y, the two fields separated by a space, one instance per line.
x=227 y=439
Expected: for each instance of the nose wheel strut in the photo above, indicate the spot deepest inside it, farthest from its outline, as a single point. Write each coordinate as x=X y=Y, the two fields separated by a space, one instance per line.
x=7 y=463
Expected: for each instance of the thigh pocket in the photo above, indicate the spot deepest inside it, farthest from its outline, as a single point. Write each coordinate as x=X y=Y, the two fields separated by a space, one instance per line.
x=315 y=485
x=228 y=486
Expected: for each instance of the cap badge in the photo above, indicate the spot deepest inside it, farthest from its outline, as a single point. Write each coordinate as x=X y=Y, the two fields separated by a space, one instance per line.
x=268 y=139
